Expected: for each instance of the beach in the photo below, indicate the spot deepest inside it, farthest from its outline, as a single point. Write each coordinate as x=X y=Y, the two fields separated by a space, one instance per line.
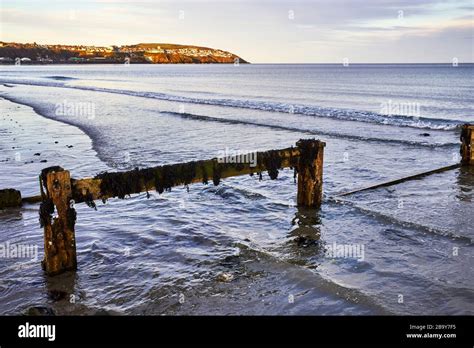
x=236 y=248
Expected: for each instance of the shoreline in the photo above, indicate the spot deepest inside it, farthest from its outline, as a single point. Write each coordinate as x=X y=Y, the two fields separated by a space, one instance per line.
x=30 y=142
x=242 y=248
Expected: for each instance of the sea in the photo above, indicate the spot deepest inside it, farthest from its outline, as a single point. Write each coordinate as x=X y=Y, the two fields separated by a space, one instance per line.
x=244 y=246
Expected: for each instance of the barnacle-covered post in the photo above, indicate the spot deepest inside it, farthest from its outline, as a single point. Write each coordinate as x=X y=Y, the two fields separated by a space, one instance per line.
x=467 y=144
x=59 y=236
x=310 y=172
x=10 y=198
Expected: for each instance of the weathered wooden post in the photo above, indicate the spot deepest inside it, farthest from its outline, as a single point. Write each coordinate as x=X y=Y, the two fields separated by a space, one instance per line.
x=10 y=198
x=467 y=145
x=310 y=173
x=59 y=236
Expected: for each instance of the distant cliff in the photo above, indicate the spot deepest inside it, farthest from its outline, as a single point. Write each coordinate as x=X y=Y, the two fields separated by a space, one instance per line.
x=152 y=53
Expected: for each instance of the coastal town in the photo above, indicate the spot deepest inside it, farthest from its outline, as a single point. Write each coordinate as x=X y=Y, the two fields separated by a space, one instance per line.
x=151 y=53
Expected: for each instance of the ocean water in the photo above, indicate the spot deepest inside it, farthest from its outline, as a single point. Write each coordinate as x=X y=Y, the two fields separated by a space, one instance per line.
x=244 y=247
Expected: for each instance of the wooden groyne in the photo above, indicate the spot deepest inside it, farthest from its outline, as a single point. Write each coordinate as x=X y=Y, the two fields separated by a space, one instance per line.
x=399 y=181
x=59 y=235
x=60 y=192
x=10 y=198
x=306 y=158
x=467 y=158
x=467 y=144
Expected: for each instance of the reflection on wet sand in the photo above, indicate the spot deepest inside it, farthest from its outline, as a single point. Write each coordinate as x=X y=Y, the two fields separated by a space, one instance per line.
x=305 y=237
x=465 y=182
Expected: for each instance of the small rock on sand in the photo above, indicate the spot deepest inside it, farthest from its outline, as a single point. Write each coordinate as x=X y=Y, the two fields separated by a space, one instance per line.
x=224 y=277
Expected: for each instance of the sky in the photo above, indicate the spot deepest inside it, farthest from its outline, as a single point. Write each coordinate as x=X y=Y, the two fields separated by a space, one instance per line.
x=260 y=31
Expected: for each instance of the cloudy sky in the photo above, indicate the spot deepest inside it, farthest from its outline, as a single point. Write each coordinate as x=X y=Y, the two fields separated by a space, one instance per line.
x=261 y=31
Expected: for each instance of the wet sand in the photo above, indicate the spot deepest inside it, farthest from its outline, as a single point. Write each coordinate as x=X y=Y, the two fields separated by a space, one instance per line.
x=258 y=283
x=236 y=248
x=29 y=143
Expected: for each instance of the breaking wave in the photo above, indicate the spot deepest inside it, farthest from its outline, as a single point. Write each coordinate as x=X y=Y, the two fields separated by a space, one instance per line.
x=297 y=109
